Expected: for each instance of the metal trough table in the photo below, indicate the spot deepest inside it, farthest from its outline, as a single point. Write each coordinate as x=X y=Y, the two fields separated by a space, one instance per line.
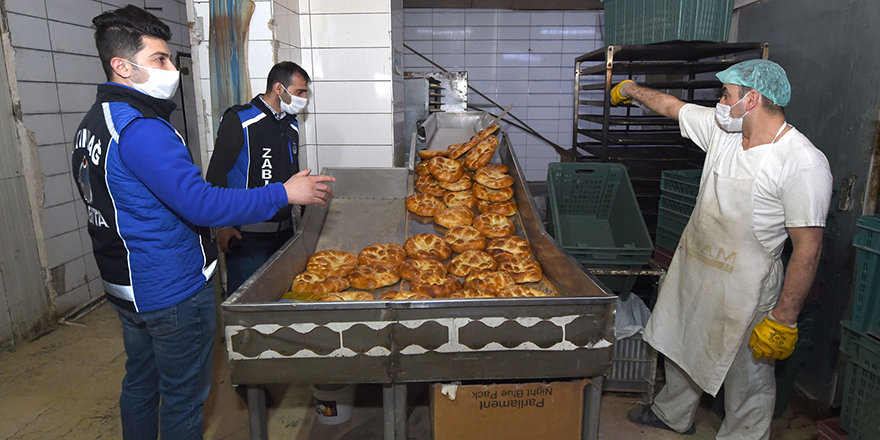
x=399 y=342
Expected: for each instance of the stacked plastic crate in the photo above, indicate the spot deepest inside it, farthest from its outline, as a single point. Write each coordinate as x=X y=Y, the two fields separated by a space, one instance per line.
x=860 y=411
x=678 y=196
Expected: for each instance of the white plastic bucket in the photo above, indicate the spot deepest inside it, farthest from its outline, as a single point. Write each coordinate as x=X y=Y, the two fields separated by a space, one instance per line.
x=333 y=403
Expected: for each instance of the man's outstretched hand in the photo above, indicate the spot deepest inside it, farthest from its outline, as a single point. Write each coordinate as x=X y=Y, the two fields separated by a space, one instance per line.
x=303 y=189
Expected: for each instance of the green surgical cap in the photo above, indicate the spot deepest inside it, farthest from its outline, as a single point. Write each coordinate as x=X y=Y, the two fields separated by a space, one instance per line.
x=767 y=77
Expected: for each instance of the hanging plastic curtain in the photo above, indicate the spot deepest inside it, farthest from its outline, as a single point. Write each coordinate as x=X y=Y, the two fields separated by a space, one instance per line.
x=230 y=81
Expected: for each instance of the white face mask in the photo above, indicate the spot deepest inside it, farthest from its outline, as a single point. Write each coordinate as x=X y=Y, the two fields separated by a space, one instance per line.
x=727 y=123
x=161 y=84
x=296 y=103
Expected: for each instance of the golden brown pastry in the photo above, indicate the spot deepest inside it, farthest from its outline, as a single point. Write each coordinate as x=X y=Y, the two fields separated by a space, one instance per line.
x=481 y=154
x=490 y=177
x=465 y=182
x=350 y=295
x=508 y=248
x=422 y=169
x=445 y=169
x=423 y=246
x=460 y=198
x=505 y=208
x=498 y=167
x=424 y=205
x=494 y=225
x=430 y=154
x=429 y=185
x=438 y=286
x=486 y=132
x=372 y=276
x=464 y=147
x=393 y=295
x=471 y=293
x=410 y=269
x=465 y=238
x=384 y=254
x=492 y=195
x=488 y=281
x=454 y=216
x=314 y=284
x=518 y=290
x=469 y=262
x=523 y=270
x=332 y=263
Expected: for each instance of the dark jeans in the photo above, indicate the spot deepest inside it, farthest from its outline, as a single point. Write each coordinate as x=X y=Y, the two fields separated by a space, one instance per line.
x=255 y=250
x=170 y=359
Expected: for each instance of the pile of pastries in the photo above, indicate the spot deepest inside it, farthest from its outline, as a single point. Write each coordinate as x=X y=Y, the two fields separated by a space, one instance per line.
x=478 y=256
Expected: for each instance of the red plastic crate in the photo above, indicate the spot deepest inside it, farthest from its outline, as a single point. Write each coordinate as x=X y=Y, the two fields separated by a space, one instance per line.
x=662 y=256
x=829 y=429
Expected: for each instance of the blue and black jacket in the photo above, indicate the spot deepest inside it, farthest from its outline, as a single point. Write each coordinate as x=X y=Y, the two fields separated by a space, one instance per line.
x=254 y=149
x=148 y=206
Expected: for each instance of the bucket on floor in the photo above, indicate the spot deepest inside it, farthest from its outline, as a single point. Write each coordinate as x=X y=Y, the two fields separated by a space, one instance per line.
x=334 y=403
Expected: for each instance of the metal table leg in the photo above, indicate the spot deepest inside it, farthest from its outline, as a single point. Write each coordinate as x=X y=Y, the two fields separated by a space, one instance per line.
x=394 y=411
x=592 y=406
x=257 y=415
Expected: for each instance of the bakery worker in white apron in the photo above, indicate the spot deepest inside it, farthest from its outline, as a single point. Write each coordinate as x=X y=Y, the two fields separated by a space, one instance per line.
x=728 y=309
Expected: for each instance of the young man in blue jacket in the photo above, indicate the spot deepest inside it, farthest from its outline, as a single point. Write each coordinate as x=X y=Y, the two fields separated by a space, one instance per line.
x=148 y=208
x=257 y=144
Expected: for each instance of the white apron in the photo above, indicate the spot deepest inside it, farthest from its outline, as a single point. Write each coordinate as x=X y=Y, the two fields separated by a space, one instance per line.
x=719 y=276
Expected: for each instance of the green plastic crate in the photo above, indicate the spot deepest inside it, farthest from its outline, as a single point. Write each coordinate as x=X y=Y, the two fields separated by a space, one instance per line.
x=594 y=215
x=676 y=206
x=866 y=304
x=654 y=21
x=860 y=409
x=681 y=185
x=667 y=239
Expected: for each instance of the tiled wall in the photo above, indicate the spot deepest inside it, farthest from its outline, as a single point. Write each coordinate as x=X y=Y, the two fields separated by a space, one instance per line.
x=514 y=57
x=57 y=68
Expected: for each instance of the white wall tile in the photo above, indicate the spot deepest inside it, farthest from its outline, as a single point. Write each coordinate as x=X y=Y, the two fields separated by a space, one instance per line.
x=261 y=58
x=36 y=8
x=513 y=86
x=514 y=33
x=546 y=46
x=54 y=159
x=204 y=10
x=545 y=60
x=355 y=157
x=481 y=17
x=352 y=97
x=449 y=61
x=29 y=32
x=38 y=97
x=261 y=22
x=443 y=18
x=70 y=122
x=482 y=73
x=581 y=18
x=511 y=18
x=63 y=248
x=96 y=288
x=545 y=18
x=546 y=32
x=72 y=39
x=545 y=73
x=513 y=46
x=447 y=47
x=481 y=32
x=58 y=219
x=258 y=85
x=447 y=33
x=512 y=60
x=412 y=61
x=373 y=64
x=71 y=300
x=581 y=33
x=74 y=274
x=544 y=87
x=79 y=68
x=351 y=30
x=34 y=65
x=417 y=33
x=416 y=18
x=421 y=46
x=46 y=127
x=513 y=73
x=76 y=97
x=75 y=12
x=348 y=6
x=92 y=271
x=481 y=46
x=167 y=10
x=357 y=129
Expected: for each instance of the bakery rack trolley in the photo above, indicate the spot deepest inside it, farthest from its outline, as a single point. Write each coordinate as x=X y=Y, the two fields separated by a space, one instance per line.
x=399 y=342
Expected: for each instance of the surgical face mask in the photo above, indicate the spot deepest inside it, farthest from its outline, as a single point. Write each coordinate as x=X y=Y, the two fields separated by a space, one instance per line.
x=296 y=103
x=161 y=84
x=727 y=123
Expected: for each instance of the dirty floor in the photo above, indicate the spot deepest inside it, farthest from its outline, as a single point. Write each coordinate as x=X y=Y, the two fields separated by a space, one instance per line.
x=65 y=386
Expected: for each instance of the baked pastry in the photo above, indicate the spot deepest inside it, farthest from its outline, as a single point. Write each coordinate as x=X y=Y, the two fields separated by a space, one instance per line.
x=454 y=216
x=499 y=167
x=351 y=295
x=465 y=238
x=424 y=205
x=332 y=263
x=471 y=293
x=393 y=295
x=490 y=177
x=423 y=246
x=429 y=185
x=494 y=225
x=488 y=281
x=386 y=254
x=469 y=262
x=463 y=183
x=410 y=269
x=509 y=248
x=482 y=153
x=518 y=290
x=430 y=154
x=445 y=169
x=492 y=195
x=464 y=147
x=484 y=133
x=438 y=286
x=314 y=284
x=505 y=208
x=460 y=198
x=523 y=270
x=421 y=168
x=372 y=276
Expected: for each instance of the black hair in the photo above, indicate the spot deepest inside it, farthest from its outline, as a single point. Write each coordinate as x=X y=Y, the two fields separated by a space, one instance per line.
x=768 y=105
x=120 y=33
x=283 y=72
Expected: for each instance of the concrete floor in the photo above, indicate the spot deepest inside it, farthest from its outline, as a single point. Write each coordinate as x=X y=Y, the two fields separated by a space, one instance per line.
x=65 y=386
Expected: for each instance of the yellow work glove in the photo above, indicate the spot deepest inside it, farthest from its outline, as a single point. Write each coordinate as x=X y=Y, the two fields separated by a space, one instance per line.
x=772 y=339
x=618 y=93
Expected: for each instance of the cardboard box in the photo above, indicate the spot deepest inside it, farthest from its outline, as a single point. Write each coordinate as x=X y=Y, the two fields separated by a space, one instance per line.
x=509 y=411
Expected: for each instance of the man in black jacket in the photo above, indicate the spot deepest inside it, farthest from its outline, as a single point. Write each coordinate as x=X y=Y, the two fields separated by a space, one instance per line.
x=257 y=144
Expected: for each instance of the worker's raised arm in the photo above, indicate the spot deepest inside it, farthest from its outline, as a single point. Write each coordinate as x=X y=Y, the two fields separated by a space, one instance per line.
x=662 y=103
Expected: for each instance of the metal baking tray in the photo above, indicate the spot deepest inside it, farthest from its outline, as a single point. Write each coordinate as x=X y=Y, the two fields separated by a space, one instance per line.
x=409 y=341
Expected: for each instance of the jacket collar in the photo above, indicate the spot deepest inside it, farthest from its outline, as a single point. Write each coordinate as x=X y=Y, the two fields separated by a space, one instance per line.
x=260 y=104
x=110 y=91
